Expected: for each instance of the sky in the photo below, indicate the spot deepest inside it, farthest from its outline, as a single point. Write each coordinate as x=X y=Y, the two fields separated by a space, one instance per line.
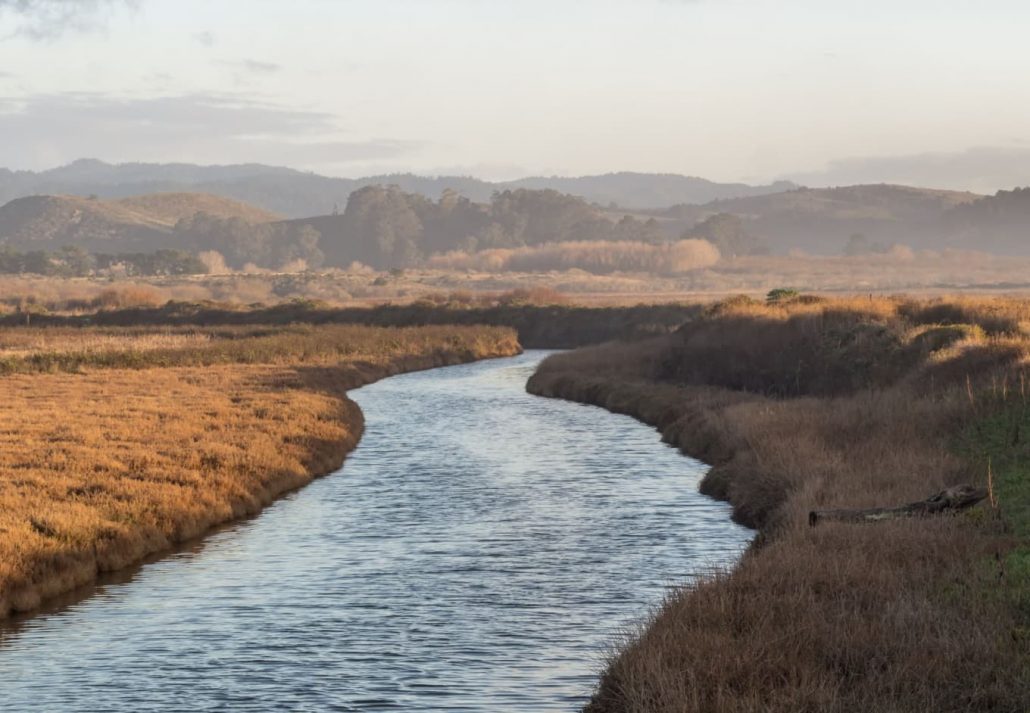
x=820 y=91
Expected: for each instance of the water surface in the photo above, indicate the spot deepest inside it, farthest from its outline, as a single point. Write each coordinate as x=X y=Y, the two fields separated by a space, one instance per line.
x=479 y=551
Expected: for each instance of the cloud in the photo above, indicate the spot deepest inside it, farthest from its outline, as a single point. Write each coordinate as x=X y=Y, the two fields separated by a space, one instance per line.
x=983 y=169
x=50 y=129
x=204 y=39
x=48 y=19
x=253 y=66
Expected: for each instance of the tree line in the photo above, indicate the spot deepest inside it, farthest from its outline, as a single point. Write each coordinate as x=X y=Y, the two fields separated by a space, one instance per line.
x=74 y=261
x=384 y=227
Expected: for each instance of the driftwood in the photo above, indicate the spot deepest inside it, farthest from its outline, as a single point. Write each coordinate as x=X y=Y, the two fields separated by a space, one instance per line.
x=951 y=500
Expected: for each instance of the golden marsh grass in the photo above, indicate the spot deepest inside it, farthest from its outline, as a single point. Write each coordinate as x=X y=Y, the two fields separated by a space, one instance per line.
x=101 y=465
x=824 y=404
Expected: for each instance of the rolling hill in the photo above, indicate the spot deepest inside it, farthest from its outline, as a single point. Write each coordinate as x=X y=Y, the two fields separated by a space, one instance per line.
x=297 y=194
x=822 y=220
x=134 y=224
x=173 y=207
x=999 y=224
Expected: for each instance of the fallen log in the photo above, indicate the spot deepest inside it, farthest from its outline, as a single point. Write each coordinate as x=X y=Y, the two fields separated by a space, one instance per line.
x=953 y=499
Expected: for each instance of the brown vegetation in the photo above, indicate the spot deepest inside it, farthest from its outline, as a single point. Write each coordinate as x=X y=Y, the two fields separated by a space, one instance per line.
x=170 y=208
x=598 y=257
x=105 y=465
x=541 y=317
x=927 y=272
x=78 y=220
x=816 y=404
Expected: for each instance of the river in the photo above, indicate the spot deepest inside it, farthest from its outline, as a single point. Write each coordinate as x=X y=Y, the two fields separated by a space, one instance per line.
x=480 y=550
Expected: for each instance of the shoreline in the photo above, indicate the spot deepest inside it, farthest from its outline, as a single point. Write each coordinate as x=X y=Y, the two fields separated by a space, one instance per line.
x=908 y=615
x=681 y=425
x=319 y=392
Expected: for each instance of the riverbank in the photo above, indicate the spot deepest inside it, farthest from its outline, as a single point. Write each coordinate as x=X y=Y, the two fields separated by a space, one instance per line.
x=545 y=321
x=815 y=404
x=117 y=444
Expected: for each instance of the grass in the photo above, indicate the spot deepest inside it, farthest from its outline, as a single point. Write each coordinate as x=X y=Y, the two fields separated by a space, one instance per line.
x=71 y=350
x=1000 y=443
x=540 y=317
x=118 y=443
x=818 y=403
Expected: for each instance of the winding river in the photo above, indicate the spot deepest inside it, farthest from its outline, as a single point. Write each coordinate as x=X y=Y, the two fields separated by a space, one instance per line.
x=479 y=551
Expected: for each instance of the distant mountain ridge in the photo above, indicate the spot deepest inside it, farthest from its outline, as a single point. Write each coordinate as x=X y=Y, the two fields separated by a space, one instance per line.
x=386 y=226
x=297 y=194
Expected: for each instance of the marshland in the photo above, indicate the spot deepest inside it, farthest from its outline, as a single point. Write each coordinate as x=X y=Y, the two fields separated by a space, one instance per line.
x=118 y=443
x=125 y=441
x=650 y=357
x=805 y=404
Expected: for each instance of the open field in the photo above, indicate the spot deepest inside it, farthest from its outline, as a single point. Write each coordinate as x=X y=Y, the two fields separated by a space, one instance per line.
x=900 y=270
x=118 y=443
x=820 y=404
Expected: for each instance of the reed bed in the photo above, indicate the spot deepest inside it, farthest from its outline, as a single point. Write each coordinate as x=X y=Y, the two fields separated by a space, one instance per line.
x=116 y=444
x=27 y=342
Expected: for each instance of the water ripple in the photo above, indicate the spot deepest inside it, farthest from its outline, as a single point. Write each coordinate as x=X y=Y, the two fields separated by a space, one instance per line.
x=479 y=551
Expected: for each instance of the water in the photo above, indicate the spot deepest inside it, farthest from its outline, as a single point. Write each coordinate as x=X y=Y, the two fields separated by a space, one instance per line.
x=479 y=551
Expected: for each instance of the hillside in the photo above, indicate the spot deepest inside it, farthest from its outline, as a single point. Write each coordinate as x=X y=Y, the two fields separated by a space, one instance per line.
x=648 y=190
x=170 y=208
x=999 y=224
x=52 y=221
x=135 y=224
x=823 y=220
x=298 y=194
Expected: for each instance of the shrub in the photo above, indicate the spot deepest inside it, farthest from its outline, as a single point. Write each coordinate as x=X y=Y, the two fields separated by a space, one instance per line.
x=781 y=294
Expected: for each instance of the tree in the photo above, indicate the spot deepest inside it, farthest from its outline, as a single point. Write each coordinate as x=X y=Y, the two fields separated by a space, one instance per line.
x=76 y=260
x=858 y=244
x=729 y=233
x=382 y=220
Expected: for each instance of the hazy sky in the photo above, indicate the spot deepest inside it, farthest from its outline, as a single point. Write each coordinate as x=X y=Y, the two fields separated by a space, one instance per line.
x=930 y=92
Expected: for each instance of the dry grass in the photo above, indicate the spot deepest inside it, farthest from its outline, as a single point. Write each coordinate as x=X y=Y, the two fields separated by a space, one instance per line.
x=597 y=257
x=26 y=342
x=926 y=273
x=102 y=467
x=908 y=616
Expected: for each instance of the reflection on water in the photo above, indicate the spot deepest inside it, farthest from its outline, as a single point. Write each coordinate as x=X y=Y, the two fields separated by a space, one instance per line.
x=478 y=552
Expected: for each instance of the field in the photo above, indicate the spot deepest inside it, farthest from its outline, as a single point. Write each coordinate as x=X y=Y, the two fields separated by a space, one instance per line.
x=922 y=272
x=118 y=443
x=814 y=403
x=128 y=430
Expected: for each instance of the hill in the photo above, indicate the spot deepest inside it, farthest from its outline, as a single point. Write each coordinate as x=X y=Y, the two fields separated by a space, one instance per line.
x=170 y=208
x=135 y=224
x=999 y=224
x=825 y=220
x=298 y=194
x=647 y=190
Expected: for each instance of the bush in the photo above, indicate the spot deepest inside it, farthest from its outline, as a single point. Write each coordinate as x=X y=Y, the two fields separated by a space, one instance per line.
x=781 y=294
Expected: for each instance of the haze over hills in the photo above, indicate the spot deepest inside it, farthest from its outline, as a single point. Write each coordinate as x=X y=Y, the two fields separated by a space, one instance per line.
x=387 y=226
x=138 y=223
x=823 y=220
x=298 y=194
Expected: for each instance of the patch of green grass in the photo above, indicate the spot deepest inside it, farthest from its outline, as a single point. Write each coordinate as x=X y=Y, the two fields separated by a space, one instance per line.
x=1001 y=441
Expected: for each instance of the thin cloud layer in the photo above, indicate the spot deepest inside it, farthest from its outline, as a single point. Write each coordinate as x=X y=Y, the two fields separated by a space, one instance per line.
x=48 y=19
x=46 y=130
